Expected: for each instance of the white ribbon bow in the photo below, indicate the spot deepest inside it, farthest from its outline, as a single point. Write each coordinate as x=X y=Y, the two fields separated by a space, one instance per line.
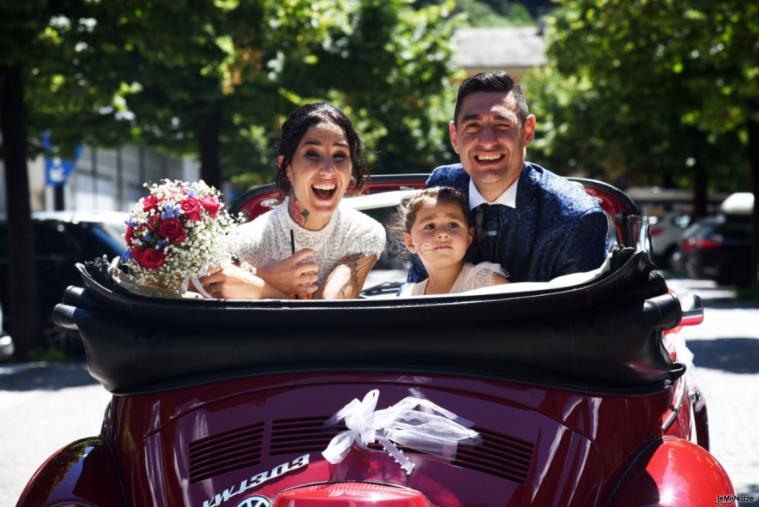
x=412 y=422
x=195 y=279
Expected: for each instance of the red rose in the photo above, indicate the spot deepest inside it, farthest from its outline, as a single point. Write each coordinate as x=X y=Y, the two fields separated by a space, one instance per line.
x=129 y=236
x=149 y=258
x=191 y=208
x=211 y=204
x=172 y=230
x=149 y=203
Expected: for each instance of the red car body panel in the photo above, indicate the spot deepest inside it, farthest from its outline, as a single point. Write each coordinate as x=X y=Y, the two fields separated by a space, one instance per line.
x=565 y=449
x=82 y=473
x=673 y=471
x=241 y=439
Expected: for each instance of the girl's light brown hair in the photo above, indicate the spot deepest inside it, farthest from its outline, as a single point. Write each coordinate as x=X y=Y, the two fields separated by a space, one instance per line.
x=439 y=195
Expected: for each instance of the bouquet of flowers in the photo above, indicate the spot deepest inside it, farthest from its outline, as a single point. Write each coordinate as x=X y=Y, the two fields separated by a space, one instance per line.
x=174 y=234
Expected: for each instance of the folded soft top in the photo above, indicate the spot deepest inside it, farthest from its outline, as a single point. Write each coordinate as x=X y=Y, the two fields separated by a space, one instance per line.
x=603 y=335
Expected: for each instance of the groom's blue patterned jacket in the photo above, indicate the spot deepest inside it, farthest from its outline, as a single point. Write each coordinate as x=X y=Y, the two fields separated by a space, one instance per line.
x=555 y=229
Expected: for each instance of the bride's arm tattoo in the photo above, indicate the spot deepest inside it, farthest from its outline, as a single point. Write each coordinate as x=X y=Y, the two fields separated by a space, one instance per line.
x=347 y=279
x=351 y=288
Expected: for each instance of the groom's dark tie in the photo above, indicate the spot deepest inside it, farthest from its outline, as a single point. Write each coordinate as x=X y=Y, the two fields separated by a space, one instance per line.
x=488 y=226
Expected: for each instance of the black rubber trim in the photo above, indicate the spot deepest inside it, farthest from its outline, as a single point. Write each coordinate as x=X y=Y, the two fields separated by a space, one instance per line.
x=631 y=272
x=602 y=337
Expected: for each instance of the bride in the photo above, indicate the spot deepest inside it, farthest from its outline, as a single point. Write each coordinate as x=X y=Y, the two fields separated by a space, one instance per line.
x=308 y=246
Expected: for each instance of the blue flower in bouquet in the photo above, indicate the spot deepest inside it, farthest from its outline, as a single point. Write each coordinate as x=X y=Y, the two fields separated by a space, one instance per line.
x=170 y=211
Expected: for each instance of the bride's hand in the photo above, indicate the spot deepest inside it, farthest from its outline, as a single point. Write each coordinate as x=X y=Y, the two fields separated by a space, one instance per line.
x=294 y=276
x=233 y=282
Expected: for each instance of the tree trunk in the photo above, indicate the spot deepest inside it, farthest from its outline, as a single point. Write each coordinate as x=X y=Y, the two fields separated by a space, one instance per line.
x=700 y=186
x=753 y=162
x=22 y=302
x=208 y=144
x=668 y=180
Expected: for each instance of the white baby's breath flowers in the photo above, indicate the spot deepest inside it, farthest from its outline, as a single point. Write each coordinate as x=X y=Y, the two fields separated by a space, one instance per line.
x=178 y=231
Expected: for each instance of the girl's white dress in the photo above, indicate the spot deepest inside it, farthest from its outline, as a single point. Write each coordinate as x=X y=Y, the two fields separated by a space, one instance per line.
x=267 y=238
x=472 y=276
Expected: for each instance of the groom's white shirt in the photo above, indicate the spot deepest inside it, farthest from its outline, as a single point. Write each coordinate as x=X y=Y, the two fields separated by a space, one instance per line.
x=507 y=198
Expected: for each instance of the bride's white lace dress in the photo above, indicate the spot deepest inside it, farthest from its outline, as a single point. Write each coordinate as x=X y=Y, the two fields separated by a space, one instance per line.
x=349 y=232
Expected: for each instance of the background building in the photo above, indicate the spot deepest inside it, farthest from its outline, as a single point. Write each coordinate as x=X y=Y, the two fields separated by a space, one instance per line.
x=513 y=49
x=105 y=179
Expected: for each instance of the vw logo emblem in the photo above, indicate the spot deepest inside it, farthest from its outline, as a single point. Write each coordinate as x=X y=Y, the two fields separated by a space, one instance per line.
x=255 y=501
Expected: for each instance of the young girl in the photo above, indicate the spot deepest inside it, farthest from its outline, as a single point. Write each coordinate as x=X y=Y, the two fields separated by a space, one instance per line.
x=437 y=228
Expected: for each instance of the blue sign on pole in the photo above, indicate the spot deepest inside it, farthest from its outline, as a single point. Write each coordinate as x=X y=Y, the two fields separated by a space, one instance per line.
x=57 y=170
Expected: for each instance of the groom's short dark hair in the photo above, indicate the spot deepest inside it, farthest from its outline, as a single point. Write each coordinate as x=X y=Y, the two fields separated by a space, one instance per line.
x=491 y=82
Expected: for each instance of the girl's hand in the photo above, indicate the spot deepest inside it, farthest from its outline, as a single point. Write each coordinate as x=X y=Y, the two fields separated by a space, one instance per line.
x=295 y=276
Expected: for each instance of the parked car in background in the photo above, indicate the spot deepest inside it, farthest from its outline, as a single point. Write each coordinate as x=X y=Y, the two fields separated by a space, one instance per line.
x=719 y=248
x=61 y=239
x=666 y=232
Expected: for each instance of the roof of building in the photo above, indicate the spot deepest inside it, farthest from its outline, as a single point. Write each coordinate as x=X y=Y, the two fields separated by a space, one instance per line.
x=504 y=48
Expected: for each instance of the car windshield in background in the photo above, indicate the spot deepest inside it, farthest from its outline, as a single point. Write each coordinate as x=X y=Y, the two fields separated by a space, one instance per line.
x=111 y=234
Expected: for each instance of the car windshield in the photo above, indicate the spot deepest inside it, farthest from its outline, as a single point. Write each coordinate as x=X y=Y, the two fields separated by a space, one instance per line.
x=682 y=221
x=111 y=234
x=701 y=227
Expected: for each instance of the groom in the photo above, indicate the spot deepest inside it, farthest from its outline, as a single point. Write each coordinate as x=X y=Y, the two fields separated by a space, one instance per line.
x=536 y=224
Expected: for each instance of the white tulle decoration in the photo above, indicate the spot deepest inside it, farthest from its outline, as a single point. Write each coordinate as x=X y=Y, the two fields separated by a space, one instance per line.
x=413 y=422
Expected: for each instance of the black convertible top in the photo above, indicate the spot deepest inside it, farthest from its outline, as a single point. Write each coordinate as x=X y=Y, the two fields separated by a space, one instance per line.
x=600 y=337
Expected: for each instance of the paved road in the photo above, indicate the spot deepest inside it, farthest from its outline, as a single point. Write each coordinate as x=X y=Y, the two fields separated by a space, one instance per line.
x=44 y=407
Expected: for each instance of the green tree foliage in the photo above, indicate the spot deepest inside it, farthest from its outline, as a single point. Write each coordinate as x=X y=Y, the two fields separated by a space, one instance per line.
x=396 y=83
x=217 y=78
x=634 y=84
x=487 y=14
x=490 y=13
x=653 y=91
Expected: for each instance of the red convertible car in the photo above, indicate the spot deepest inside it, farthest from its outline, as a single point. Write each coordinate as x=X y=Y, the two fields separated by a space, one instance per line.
x=565 y=393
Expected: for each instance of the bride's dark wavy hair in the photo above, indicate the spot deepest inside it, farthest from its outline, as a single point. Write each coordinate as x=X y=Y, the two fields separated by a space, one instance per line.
x=296 y=126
